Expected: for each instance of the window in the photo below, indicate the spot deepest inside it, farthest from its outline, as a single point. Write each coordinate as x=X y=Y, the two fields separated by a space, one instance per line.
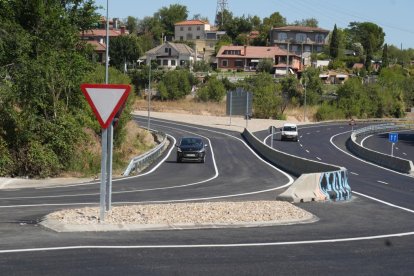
x=224 y=63
x=198 y=37
x=307 y=48
x=166 y=50
x=181 y=28
x=319 y=38
x=158 y=61
x=189 y=36
x=300 y=37
x=189 y=28
x=198 y=28
x=181 y=38
x=165 y=62
x=173 y=62
x=282 y=36
x=238 y=63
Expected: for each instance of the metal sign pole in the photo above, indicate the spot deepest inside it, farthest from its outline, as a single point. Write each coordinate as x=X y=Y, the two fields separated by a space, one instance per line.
x=231 y=99
x=392 y=149
x=103 y=174
x=271 y=140
x=110 y=133
x=247 y=108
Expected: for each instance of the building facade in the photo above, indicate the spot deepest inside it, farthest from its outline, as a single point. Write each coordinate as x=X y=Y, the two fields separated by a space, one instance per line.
x=248 y=57
x=171 y=55
x=300 y=40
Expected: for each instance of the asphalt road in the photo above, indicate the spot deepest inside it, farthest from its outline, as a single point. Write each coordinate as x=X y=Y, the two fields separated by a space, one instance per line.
x=373 y=234
x=404 y=148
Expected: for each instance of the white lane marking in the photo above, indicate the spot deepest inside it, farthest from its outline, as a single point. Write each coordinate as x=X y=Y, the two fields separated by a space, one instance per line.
x=364 y=161
x=363 y=140
x=318 y=158
x=301 y=145
x=191 y=184
x=307 y=151
x=318 y=131
x=404 y=153
x=301 y=136
x=379 y=181
x=384 y=202
x=353 y=173
x=308 y=133
x=176 y=246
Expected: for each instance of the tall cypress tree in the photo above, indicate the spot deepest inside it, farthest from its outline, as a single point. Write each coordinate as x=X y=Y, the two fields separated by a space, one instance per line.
x=334 y=45
x=385 y=61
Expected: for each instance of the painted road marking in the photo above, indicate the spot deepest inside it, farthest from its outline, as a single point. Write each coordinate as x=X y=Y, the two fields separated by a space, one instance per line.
x=307 y=151
x=379 y=181
x=318 y=158
x=354 y=173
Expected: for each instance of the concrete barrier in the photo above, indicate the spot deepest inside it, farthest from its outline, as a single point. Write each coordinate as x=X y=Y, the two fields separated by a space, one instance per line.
x=317 y=181
x=385 y=160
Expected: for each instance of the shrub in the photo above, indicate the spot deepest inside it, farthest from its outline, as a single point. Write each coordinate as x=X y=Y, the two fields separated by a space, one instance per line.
x=329 y=112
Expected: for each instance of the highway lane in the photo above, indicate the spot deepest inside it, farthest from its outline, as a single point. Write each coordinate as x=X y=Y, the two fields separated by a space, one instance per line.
x=404 y=148
x=366 y=178
x=347 y=235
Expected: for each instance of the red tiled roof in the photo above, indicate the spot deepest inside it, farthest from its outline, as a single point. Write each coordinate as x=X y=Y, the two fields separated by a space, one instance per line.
x=101 y=33
x=253 y=52
x=301 y=29
x=99 y=47
x=191 y=22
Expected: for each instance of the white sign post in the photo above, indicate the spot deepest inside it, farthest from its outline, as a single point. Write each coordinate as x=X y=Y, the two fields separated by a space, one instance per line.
x=105 y=101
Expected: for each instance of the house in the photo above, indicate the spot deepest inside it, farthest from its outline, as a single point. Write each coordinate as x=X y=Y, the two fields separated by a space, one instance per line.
x=299 y=39
x=200 y=33
x=171 y=55
x=333 y=77
x=248 y=57
x=97 y=37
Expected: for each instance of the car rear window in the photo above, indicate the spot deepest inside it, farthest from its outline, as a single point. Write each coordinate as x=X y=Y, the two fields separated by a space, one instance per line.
x=289 y=128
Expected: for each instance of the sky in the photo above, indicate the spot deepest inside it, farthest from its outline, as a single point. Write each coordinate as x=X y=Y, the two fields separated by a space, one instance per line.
x=395 y=17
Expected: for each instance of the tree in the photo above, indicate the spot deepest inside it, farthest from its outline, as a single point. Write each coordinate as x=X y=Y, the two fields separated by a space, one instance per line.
x=132 y=24
x=334 y=44
x=213 y=90
x=265 y=65
x=171 y=15
x=385 y=61
x=370 y=35
x=124 y=49
x=273 y=21
x=222 y=18
x=309 y=22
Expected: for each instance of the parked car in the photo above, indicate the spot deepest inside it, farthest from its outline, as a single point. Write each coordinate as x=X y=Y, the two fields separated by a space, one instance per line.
x=289 y=132
x=191 y=149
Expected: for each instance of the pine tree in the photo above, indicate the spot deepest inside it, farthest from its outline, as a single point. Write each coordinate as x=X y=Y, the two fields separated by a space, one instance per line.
x=385 y=61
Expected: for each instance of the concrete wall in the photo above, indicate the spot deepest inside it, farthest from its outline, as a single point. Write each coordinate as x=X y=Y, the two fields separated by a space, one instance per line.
x=317 y=182
x=385 y=160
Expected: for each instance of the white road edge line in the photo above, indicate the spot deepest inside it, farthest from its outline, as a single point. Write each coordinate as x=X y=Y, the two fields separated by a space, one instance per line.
x=176 y=246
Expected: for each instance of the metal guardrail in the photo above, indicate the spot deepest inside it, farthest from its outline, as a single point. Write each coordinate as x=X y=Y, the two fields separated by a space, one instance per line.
x=380 y=128
x=142 y=161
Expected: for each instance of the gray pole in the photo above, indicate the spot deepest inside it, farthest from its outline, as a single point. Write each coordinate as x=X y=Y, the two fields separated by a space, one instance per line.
x=103 y=175
x=109 y=167
x=149 y=95
x=304 y=111
x=271 y=140
x=247 y=108
x=231 y=104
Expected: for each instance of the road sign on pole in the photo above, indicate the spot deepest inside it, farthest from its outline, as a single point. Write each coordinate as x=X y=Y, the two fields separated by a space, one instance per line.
x=105 y=100
x=393 y=137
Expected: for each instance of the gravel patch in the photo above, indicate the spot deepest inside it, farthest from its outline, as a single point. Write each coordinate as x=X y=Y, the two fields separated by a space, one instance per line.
x=178 y=215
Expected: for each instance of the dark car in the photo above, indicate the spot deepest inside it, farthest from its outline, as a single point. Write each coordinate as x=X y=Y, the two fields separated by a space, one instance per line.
x=191 y=149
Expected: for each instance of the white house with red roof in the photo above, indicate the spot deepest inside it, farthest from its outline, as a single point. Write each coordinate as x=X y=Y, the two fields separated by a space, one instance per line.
x=248 y=57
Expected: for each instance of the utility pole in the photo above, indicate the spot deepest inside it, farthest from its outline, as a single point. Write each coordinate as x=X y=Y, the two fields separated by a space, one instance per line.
x=222 y=5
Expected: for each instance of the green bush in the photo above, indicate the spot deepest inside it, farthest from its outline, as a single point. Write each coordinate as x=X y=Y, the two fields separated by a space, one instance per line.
x=39 y=160
x=329 y=112
x=6 y=160
x=213 y=90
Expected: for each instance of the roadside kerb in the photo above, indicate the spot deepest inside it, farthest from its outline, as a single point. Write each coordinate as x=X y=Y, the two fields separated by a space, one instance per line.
x=385 y=160
x=317 y=181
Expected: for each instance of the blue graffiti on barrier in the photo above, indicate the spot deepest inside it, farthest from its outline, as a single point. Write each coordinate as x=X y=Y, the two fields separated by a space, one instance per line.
x=335 y=185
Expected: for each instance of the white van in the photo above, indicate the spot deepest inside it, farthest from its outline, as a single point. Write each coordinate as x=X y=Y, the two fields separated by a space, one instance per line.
x=289 y=132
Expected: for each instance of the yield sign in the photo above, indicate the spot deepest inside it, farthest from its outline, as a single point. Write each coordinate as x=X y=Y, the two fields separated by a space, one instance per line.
x=105 y=100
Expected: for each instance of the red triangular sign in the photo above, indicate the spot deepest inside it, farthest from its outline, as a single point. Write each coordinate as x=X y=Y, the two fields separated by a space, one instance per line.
x=105 y=100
